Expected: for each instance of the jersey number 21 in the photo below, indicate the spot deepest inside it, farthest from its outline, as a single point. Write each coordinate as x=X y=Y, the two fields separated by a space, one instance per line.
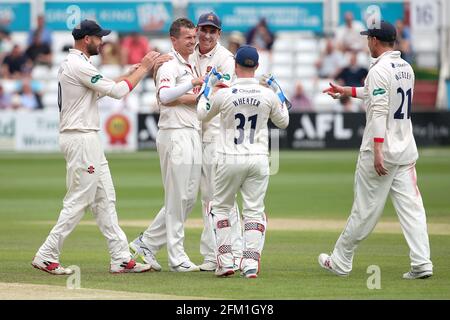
x=399 y=114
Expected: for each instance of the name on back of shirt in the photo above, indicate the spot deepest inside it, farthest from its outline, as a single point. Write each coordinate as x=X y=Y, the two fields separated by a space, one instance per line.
x=247 y=101
x=403 y=75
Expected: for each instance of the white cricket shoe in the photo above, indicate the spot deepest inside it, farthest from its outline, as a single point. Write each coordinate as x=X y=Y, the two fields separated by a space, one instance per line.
x=411 y=275
x=208 y=266
x=139 y=249
x=129 y=267
x=224 y=271
x=186 y=266
x=326 y=263
x=51 y=267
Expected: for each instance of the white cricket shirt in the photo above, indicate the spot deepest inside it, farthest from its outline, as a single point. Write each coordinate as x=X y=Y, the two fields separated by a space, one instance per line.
x=172 y=73
x=388 y=94
x=80 y=85
x=223 y=61
x=245 y=109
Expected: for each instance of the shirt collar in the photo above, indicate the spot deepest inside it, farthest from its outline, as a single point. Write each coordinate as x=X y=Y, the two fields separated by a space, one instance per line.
x=391 y=53
x=179 y=57
x=208 y=54
x=79 y=53
x=246 y=81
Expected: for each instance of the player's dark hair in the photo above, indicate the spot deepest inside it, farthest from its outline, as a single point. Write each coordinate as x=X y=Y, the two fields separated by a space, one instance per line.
x=389 y=44
x=176 y=26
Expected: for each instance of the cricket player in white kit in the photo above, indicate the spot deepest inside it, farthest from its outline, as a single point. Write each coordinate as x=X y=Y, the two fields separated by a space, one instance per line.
x=243 y=163
x=386 y=163
x=208 y=54
x=89 y=183
x=179 y=148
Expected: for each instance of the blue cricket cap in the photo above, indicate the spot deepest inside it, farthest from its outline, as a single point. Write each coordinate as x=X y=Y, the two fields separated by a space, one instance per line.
x=386 y=32
x=209 y=19
x=247 y=56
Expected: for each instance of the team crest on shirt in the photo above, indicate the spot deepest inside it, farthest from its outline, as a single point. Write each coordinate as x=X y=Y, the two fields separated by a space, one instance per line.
x=94 y=79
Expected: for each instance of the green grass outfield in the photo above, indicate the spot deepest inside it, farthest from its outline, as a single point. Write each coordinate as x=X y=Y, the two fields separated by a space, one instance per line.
x=310 y=185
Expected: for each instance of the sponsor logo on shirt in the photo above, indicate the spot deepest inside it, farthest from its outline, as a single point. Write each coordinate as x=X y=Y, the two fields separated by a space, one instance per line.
x=378 y=91
x=94 y=79
x=226 y=76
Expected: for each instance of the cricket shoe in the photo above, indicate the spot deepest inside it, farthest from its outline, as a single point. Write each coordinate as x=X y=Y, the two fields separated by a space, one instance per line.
x=186 y=266
x=411 y=275
x=139 y=249
x=208 y=266
x=129 y=267
x=250 y=273
x=326 y=263
x=51 y=267
x=224 y=271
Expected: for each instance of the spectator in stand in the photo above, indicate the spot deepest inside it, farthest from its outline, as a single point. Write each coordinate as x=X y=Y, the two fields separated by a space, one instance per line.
x=235 y=40
x=134 y=48
x=5 y=99
x=6 y=44
x=29 y=99
x=46 y=34
x=403 y=42
x=300 y=101
x=346 y=104
x=260 y=36
x=353 y=75
x=330 y=62
x=348 y=35
x=14 y=64
x=110 y=53
x=39 y=52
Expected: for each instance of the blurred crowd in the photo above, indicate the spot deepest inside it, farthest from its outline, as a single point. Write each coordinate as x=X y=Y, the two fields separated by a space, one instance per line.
x=343 y=59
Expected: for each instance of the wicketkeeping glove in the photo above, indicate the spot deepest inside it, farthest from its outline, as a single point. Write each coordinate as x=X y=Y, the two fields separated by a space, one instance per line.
x=210 y=81
x=268 y=80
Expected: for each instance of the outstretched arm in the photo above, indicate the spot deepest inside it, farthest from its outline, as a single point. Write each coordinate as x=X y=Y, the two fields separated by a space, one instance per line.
x=335 y=91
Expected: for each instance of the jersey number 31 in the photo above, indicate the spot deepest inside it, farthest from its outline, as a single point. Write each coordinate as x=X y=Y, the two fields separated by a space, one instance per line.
x=241 y=125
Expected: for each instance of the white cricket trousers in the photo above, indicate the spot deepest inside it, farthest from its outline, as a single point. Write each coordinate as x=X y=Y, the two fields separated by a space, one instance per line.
x=89 y=185
x=370 y=194
x=250 y=175
x=180 y=157
x=207 y=240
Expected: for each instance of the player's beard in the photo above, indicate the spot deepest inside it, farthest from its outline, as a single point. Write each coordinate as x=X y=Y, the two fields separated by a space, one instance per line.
x=92 y=49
